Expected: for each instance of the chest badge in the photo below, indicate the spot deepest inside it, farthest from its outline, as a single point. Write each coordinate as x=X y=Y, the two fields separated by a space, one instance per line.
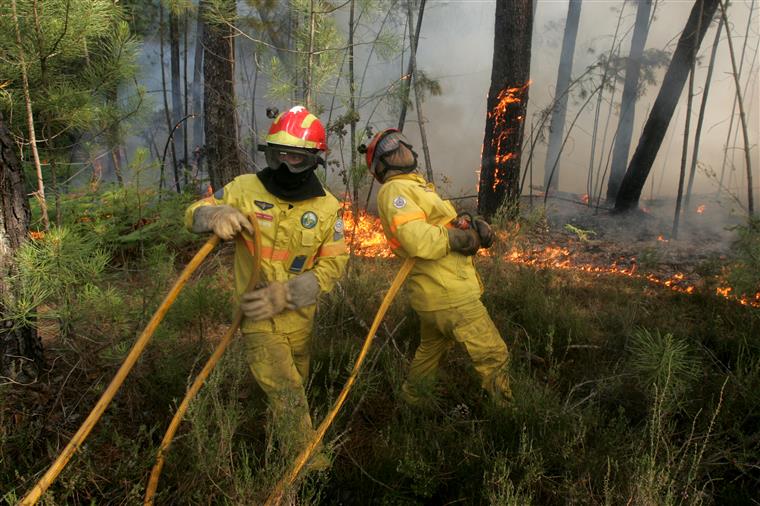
x=309 y=219
x=263 y=205
x=399 y=202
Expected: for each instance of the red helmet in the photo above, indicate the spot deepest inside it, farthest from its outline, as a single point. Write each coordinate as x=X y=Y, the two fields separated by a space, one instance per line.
x=297 y=128
x=385 y=143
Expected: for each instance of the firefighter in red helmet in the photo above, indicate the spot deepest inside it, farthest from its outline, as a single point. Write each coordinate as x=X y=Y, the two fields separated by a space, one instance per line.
x=303 y=254
x=443 y=285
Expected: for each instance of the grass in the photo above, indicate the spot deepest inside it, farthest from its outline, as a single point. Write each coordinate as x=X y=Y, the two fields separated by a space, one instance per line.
x=625 y=393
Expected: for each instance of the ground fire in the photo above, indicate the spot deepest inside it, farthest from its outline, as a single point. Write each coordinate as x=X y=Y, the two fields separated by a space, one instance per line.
x=365 y=238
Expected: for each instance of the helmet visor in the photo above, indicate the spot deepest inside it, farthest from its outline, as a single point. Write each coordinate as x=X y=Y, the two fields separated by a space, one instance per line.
x=297 y=160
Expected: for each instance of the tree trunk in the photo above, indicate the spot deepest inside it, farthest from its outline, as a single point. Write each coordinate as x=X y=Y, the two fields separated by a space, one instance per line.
x=685 y=148
x=417 y=97
x=174 y=60
x=742 y=114
x=415 y=39
x=169 y=126
x=20 y=347
x=664 y=105
x=628 y=104
x=499 y=182
x=220 y=122
x=557 y=125
x=702 y=109
x=40 y=193
x=196 y=91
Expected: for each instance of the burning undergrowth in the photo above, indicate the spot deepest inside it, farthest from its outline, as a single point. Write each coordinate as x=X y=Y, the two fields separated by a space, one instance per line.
x=568 y=235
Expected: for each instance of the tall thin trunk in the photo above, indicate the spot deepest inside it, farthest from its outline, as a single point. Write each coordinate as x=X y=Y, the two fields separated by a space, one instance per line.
x=628 y=104
x=417 y=98
x=687 y=127
x=177 y=105
x=733 y=106
x=415 y=36
x=702 y=109
x=557 y=125
x=196 y=89
x=163 y=93
x=352 y=104
x=590 y=177
x=742 y=115
x=310 y=56
x=186 y=101
x=662 y=111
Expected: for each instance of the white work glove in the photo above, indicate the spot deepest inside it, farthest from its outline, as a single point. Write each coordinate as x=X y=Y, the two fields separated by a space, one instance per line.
x=225 y=221
x=276 y=297
x=303 y=290
x=265 y=303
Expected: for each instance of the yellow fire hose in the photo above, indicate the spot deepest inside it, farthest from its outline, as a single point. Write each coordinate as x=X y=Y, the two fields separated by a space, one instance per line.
x=155 y=474
x=55 y=469
x=276 y=496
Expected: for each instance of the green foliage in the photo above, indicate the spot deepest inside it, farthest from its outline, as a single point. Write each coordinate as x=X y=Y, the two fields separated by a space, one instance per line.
x=76 y=54
x=744 y=273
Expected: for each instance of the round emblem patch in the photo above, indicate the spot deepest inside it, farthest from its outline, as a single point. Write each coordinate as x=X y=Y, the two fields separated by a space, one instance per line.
x=338 y=225
x=309 y=219
x=399 y=202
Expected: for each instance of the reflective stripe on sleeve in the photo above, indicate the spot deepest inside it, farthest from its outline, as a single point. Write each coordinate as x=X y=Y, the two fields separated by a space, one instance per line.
x=400 y=219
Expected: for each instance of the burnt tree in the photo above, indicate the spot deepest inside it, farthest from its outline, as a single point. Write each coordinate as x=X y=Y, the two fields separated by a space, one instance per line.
x=220 y=122
x=20 y=347
x=507 y=102
x=662 y=111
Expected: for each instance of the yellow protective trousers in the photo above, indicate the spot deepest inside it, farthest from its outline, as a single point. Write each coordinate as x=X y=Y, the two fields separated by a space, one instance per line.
x=279 y=362
x=470 y=325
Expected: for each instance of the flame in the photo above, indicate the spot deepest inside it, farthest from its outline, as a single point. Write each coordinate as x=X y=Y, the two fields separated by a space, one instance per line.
x=35 y=236
x=662 y=238
x=504 y=99
x=585 y=198
x=701 y=209
x=365 y=236
x=364 y=233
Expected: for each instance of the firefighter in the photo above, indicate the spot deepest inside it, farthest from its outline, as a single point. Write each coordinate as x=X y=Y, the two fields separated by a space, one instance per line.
x=444 y=287
x=303 y=254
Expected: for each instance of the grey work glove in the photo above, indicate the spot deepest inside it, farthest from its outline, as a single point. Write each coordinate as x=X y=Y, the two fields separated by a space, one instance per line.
x=265 y=303
x=303 y=290
x=466 y=242
x=485 y=233
x=225 y=221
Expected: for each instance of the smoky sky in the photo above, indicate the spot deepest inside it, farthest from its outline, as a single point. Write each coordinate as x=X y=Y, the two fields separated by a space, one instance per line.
x=456 y=49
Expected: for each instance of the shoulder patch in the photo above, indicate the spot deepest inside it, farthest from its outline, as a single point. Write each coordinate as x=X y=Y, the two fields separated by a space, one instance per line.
x=263 y=205
x=399 y=202
x=338 y=225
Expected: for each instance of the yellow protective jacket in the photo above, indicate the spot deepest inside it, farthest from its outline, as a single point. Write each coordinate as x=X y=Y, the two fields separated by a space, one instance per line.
x=295 y=237
x=413 y=218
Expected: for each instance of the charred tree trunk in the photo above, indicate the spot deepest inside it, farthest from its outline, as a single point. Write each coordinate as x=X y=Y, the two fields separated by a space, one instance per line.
x=413 y=83
x=20 y=347
x=507 y=102
x=628 y=104
x=664 y=105
x=220 y=121
x=557 y=125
